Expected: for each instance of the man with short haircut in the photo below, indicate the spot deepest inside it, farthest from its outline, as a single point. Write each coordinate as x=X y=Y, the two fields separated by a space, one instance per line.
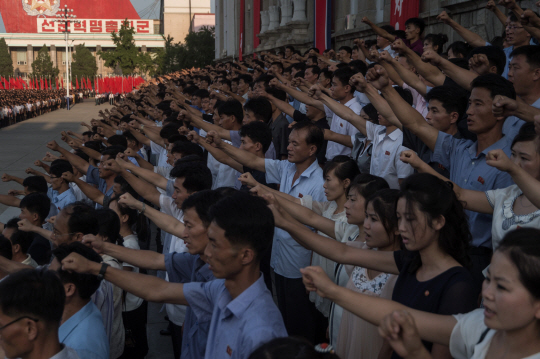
x=82 y=324
x=20 y=242
x=60 y=192
x=181 y=267
x=238 y=304
x=344 y=54
x=31 y=310
x=301 y=175
x=35 y=208
x=243 y=85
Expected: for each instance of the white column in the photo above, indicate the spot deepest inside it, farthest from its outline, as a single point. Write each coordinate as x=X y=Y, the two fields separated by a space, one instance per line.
x=286 y=12
x=274 y=17
x=265 y=21
x=300 y=10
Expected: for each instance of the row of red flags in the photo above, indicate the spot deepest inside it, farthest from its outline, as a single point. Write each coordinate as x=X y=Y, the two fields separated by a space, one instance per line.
x=117 y=84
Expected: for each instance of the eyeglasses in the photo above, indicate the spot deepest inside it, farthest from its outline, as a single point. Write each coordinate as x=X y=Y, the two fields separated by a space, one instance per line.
x=16 y=320
x=512 y=27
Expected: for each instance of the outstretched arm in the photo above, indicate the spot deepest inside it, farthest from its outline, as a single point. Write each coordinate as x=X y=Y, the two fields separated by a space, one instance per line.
x=218 y=154
x=378 y=30
x=90 y=191
x=407 y=76
x=338 y=138
x=148 y=175
x=148 y=287
x=299 y=95
x=461 y=76
x=433 y=328
x=198 y=122
x=470 y=37
x=75 y=160
x=245 y=158
x=428 y=71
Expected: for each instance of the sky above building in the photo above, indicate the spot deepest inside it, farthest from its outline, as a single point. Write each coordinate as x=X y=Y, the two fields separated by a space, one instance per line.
x=147 y=9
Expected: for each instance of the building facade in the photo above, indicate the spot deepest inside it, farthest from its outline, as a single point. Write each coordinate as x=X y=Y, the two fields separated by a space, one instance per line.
x=273 y=24
x=181 y=16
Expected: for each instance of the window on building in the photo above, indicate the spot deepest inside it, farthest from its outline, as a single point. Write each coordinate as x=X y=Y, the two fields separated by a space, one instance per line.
x=21 y=57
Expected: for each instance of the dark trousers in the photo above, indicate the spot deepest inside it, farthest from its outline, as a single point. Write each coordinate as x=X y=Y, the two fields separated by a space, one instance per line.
x=135 y=324
x=176 y=336
x=300 y=316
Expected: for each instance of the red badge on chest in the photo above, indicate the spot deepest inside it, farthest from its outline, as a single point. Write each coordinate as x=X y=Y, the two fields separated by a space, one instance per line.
x=300 y=195
x=229 y=351
x=387 y=153
x=481 y=180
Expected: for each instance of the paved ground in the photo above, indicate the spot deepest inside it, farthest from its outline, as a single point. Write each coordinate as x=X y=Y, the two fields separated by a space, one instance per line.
x=23 y=143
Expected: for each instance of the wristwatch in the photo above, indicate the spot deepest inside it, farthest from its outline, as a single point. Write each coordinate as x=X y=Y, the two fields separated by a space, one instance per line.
x=102 y=271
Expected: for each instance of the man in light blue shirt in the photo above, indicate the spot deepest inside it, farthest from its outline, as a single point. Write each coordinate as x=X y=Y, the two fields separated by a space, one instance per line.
x=60 y=192
x=300 y=175
x=83 y=331
x=241 y=310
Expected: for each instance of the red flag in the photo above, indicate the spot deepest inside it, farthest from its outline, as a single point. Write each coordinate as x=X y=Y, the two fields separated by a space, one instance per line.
x=1 y=83
x=41 y=83
x=77 y=81
x=56 y=79
x=323 y=19
x=400 y=11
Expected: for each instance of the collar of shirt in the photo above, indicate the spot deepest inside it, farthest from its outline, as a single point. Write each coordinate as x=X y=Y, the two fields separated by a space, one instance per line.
x=393 y=136
x=307 y=173
x=65 y=353
x=238 y=305
x=502 y=144
x=61 y=196
x=350 y=102
x=69 y=325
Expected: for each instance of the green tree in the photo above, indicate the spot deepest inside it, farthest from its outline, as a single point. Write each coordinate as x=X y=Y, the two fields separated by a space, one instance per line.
x=197 y=51
x=84 y=63
x=43 y=65
x=126 y=53
x=6 y=63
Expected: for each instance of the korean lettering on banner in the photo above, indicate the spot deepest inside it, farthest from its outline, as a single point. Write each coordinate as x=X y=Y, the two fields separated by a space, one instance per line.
x=143 y=27
x=61 y=27
x=47 y=26
x=96 y=26
x=111 y=25
x=79 y=26
x=401 y=10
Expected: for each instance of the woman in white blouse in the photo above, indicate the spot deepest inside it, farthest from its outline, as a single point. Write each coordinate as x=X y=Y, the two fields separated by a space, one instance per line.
x=507 y=327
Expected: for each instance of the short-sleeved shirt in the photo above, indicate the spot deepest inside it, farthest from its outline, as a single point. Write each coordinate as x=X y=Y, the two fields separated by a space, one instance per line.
x=237 y=141
x=280 y=135
x=323 y=125
x=84 y=332
x=238 y=326
x=92 y=177
x=161 y=152
x=412 y=141
x=385 y=154
x=60 y=200
x=504 y=219
x=288 y=256
x=451 y=292
x=339 y=125
x=131 y=301
x=470 y=171
x=186 y=268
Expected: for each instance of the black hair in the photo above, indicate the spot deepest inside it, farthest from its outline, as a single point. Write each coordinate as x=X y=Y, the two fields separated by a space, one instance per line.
x=389 y=29
x=261 y=108
x=177 y=138
x=202 y=201
x=346 y=48
x=523 y=249
x=327 y=74
x=437 y=40
x=130 y=137
x=207 y=79
x=496 y=85
x=37 y=293
x=344 y=76
x=526 y=134
x=190 y=90
x=531 y=53
x=278 y=64
x=81 y=154
x=289 y=348
x=344 y=168
x=169 y=129
x=90 y=134
x=300 y=74
x=405 y=94
x=37 y=203
x=258 y=132
x=12 y=223
x=460 y=48
x=23 y=239
x=187 y=148
x=117 y=140
x=5 y=248
x=246 y=78
x=313 y=59
x=202 y=93
x=59 y=168
x=86 y=284
x=495 y=56
x=372 y=113
x=300 y=66
x=113 y=151
x=315 y=135
x=82 y=218
x=246 y=220
x=366 y=184
x=277 y=93
x=452 y=98
x=384 y=204
x=196 y=175
x=463 y=63
x=419 y=23
x=232 y=108
x=435 y=198
x=36 y=184
x=95 y=145
x=316 y=70
x=358 y=66
x=109 y=225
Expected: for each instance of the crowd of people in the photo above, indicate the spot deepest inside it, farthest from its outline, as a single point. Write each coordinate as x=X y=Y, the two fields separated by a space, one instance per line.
x=375 y=201
x=19 y=105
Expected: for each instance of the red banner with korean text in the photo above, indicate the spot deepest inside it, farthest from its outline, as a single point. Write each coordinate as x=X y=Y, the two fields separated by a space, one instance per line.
x=401 y=10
